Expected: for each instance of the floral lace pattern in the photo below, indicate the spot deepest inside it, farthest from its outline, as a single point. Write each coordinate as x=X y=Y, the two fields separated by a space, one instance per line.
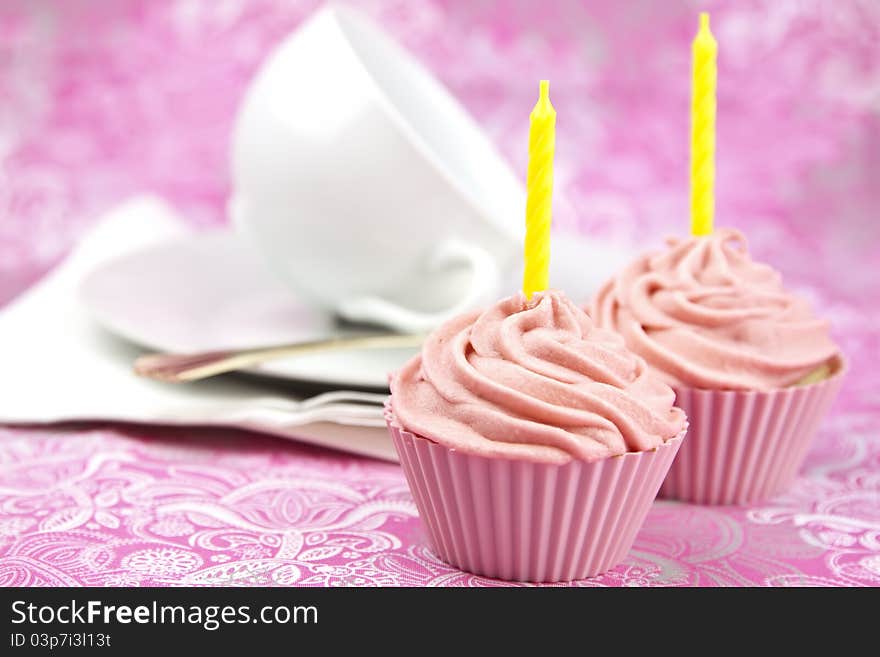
x=216 y=508
x=141 y=95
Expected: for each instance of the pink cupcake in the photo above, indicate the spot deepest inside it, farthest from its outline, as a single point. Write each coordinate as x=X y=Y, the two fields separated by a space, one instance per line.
x=751 y=366
x=533 y=442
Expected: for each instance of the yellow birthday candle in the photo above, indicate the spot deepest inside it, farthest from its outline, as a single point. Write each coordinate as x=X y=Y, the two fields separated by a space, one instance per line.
x=705 y=73
x=539 y=190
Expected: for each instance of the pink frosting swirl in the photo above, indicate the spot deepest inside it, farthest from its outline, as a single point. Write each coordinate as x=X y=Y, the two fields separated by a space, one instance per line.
x=705 y=315
x=533 y=380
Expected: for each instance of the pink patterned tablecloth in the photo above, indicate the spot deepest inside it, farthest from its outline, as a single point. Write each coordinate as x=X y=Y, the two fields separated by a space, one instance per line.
x=100 y=100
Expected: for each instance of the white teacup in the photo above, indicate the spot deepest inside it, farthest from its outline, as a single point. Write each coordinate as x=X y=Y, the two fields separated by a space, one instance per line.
x=367 y=187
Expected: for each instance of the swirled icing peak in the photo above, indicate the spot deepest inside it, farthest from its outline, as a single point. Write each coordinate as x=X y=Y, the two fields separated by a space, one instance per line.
x=703 y=314
x=534 y=380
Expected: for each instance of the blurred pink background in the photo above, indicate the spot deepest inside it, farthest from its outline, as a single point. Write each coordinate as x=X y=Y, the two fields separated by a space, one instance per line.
x=100 y=100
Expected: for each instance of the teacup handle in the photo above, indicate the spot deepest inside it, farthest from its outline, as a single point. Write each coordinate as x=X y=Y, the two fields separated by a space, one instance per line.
x=484 y=283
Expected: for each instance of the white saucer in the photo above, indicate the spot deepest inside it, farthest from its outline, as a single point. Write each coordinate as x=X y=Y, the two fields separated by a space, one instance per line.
x=209 y=291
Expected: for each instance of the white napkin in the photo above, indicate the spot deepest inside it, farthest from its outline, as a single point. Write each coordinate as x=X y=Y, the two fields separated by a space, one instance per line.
x=56 y=364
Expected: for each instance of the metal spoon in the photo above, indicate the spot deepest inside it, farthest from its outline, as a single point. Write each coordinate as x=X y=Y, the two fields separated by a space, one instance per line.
x=179 y=368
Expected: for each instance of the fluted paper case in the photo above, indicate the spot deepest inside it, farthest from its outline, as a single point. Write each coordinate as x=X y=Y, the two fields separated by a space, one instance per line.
x=744 y=447
x=530 y=522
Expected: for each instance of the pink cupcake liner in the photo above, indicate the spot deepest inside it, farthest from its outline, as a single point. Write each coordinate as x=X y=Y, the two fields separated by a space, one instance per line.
x=530 y=522
x=746 y=446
